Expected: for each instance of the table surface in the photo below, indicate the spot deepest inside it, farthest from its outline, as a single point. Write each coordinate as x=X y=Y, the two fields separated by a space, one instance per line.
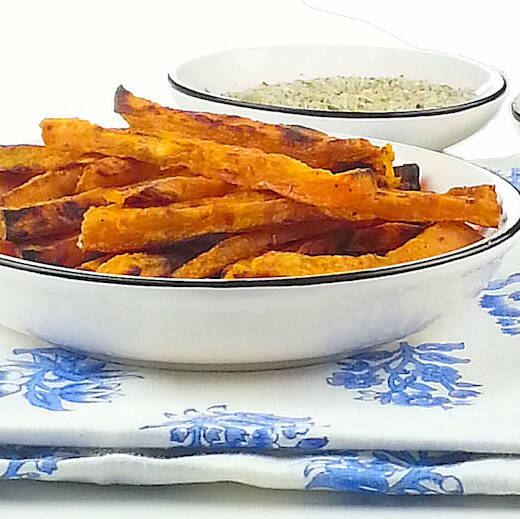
x=66 y=58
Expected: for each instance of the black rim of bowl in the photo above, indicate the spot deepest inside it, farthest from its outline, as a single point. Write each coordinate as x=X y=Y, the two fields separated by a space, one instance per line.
x=346 y=115
x=515 y=107
x=80 y=275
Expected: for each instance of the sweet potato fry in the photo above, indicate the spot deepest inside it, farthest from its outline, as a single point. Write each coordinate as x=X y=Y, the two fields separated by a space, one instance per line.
x=178 y=253
x=478 y=206
x=94 y=264
x=37 y=159
x=249 y=244
x=47 y=186
x=310 y=146
x=435 y=240
x=332 y=242
x=138 y=264
x=63 y=251
x=247 y=167
x=484 y=192
x=9 y=249
x=166 y=191
x=350 y=196
x=10 y=180
x=381 y=238
x=50 y=218
x=112 y=229
x=18 y=164
x=114 y=171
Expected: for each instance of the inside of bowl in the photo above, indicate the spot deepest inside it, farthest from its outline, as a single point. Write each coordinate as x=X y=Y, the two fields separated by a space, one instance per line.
x=240 y=69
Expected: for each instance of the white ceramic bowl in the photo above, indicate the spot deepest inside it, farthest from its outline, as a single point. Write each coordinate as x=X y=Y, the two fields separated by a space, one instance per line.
x=198 y=85
x=253 y=323
x=515 y=109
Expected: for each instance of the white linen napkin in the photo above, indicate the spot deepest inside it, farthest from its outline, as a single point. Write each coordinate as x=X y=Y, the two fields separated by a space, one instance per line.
x=436 y=413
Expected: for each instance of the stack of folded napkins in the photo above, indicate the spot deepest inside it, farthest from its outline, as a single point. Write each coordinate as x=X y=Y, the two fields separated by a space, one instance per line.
x=436 y=413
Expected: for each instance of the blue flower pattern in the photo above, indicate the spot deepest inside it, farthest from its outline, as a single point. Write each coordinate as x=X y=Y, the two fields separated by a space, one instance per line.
x=49 y=377
x=25 y=462
x=423 y=376
x=219 y=428
x=512 y=176
x=501 y=299
x=383 y=472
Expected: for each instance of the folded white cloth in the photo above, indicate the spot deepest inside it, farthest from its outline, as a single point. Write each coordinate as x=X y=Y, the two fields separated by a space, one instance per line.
x=436 y=413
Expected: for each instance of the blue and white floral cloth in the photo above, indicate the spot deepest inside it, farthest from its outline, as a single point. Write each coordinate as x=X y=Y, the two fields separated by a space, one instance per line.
x=437 y=413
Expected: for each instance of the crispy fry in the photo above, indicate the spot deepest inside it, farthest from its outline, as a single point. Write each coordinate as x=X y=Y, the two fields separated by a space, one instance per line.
x=94 y=264
x=18 y=164
x=310 y=146
x=9 y=249
x=248 y=167
x=478 y=206
x=62 y=251
x=484 y=192
x=54 y=217
x=112 y=229
x=381 y=238
x=37 y=159
x=249 y=244
x=435 y=240
x=10 y=180
x=332 y=242
x=138 y=264
x=349 y=196
x=167 y=191
x=44 y=187
x=114 y=171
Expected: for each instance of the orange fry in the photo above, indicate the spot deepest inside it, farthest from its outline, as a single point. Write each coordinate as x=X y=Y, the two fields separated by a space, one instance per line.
x=94 y=264
x=478 y=206
x=166 y=191
x=138 y=264
x=435 y=240
x=44 y=187
x=114 y=171
x=9 y=249
x=247 y=167
x=37 y=159
x=63 y=251
x=349 y=196
x=10 y=180
x=380 y=239
x=310 y=146
x=249 y=244
x=112 y=229
x=59 y=216
x=332 y=242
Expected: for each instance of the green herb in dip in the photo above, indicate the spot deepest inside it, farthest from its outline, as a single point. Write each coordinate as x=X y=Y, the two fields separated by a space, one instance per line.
x=356 y=94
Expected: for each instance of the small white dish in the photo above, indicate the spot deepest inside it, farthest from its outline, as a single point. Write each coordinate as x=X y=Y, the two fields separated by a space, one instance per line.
x=252 y=324
x=198 y=85
x=515 y=109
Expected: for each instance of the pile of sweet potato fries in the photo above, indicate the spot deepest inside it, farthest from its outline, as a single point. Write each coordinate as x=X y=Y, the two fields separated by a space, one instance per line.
x=197 y=195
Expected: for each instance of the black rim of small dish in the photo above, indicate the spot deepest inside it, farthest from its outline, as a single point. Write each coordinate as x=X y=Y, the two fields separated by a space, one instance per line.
x=80 y=275
x=515 y=108
x=346 y=115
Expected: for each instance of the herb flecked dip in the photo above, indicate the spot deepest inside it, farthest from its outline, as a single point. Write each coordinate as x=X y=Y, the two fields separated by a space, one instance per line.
x=356 y=94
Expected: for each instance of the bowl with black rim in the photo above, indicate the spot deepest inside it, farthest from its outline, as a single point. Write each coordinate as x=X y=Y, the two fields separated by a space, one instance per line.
x=203 y=83
x=515 y=109
x=249 y=324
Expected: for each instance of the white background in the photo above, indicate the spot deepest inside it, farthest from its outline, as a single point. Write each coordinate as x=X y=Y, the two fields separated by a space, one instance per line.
x=65 y=58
